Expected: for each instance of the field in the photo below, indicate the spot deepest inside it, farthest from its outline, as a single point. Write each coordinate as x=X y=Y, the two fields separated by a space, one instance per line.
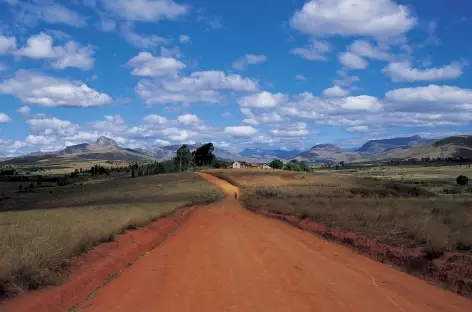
x=397 y=206
x=41 y=232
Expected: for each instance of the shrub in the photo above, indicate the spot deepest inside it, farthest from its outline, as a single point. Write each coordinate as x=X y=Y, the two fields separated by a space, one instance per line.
x=462 y=180
x=62 y=182
x=276 y=164
x=267 y=192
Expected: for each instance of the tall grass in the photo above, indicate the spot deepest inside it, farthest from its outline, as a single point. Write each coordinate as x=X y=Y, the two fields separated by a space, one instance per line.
x=36 y=245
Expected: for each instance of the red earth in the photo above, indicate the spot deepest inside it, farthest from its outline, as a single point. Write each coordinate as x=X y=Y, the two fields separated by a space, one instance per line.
x=225 y=258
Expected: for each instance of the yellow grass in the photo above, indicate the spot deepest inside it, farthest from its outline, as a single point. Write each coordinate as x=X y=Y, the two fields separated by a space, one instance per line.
x=41 y=232
x=386 y=209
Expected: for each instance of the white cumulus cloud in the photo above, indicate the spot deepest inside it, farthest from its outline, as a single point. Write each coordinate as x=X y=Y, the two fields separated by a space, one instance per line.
x=376 y=18
x=4 y=118
x=36 y=88
x=146 y=10
x=403 y=71
x=147 y=65
x=252 y=59
x=335 y=91
x=263 y=99
x=71 y=54
x=352 y=61
x=240 y=131
x=315 y=51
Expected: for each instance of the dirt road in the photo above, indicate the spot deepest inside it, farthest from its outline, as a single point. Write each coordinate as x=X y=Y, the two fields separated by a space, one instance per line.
x=225 y=258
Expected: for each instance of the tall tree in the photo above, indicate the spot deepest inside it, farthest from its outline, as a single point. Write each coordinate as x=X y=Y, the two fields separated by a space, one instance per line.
x=183 y=158
x=204 y=155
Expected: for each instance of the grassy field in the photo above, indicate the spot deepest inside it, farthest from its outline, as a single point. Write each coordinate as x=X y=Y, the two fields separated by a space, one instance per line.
x=413 y=211
x=40 y=232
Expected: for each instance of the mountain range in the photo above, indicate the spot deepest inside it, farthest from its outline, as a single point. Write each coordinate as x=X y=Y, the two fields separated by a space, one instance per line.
x=375 y=150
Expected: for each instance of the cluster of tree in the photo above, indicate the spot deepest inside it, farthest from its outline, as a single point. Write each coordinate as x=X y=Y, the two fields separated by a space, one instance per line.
x=28 y=188
x=8 y=171
x=98 y=170
x=295 y=165
x=432 y=160
x=183 y=160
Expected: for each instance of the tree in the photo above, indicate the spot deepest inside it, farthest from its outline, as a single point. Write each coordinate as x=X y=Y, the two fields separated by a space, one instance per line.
x=292 y=165
x=133 y=173
x=204 y=156
x=276 y=164
x=92 y=171
x=462 y=180
x=20 y=188
x=183 y=158
x=304 y=166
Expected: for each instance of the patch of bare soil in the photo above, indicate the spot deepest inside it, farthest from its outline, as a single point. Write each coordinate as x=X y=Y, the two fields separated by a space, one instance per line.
x=452 y=271
x=94 y=268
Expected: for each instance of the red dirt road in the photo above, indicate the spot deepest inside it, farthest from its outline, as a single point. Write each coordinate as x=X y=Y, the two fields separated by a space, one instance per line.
x=224 y=258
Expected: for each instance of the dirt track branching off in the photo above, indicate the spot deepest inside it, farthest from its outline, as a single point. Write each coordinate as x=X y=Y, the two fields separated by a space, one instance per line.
x=41 y=232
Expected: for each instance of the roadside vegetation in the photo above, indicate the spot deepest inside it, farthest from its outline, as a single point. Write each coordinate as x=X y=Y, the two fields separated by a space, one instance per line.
x=413 y=211
x=41 y=231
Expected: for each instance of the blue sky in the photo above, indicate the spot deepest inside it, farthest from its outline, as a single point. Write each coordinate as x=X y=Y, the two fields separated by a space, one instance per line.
x=283 y=74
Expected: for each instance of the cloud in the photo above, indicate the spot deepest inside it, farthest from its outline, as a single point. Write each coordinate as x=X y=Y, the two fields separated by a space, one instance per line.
x=263 y=99
x=147 y=65
x=335 y=91
x=189 y=119
x=402 y=71
x=155 y=119
x=184 y=38
x=52 y=127
x=358 y=129
x=4 y=118
x=146 y=10
x=252 y=59
x=199 y=87
x=141 y=40
x=263 y=118
x=240 y=131
x=298 y=129
x=432 y=98
x=71 y=54
x=24 y=110
x=364 y=48
x=315 y=51
x=7 y=45
x=36 y=88
x=29 y=13
x=300 y=77
x=377 y=18
x=352 y=61
x=226 y=114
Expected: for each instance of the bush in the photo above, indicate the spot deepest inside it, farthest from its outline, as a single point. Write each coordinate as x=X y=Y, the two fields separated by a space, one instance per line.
x=277 y=164
x=267 y=192
x=462 y=180
x=63 y=182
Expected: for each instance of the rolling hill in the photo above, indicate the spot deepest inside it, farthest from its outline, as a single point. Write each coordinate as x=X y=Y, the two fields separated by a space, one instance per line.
x=380 y=146
x=454 y=146
x=269 y=154
x=102 y=149
x=328 y=153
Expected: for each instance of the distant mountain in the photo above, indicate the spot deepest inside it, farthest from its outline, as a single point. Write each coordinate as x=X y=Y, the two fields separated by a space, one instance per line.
x=454 y=146
x=102 y=149
x=380 y=146
x=269 y=154
x=328 y=153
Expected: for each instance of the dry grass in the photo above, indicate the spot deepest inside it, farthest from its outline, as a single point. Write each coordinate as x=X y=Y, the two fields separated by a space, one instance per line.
x=41 y=232
x=391 y=211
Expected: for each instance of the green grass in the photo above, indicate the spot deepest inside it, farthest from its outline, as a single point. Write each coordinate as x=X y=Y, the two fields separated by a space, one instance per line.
x=41 y=232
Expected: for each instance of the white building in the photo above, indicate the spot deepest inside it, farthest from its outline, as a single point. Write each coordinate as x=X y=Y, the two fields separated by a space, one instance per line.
x=236 y=165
